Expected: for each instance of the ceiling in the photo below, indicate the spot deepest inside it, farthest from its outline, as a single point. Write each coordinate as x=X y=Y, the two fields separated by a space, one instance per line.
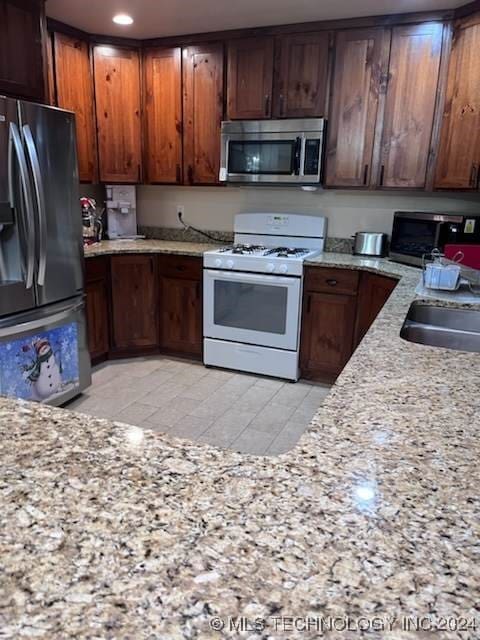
x=156 y=18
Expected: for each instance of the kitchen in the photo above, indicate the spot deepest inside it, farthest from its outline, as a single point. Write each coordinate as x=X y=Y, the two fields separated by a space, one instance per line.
x=331 y=476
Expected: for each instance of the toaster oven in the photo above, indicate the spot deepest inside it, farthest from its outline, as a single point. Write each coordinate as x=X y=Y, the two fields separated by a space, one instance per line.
x=416 y=233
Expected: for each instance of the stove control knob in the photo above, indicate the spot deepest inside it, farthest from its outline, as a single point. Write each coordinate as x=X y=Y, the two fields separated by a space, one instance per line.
x=230 y=264
x=283 y=268
x=218 y=262
x=270 y=267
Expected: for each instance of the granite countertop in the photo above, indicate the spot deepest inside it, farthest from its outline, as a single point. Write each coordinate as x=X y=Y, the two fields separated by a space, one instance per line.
x=175 y=247
x=108 y=531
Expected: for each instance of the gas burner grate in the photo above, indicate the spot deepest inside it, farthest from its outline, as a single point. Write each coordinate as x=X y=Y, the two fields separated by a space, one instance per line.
x=287 y=252
x=244 y=249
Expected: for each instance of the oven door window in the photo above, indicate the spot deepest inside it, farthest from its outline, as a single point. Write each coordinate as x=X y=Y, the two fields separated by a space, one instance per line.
x=267 y=157
x=414 y=237
x=249 y=306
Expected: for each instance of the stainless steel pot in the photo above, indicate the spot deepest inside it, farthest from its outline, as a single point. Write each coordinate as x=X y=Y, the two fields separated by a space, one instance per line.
x=370 y=243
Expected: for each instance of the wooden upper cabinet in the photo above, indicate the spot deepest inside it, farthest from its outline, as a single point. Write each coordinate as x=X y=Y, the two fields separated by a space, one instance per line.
x=21 y=48
x=301 y=74
x=410 y=105
x=162 y=83
x=361 y=63
x=250 y=78
x=459 y=154
x=203 y=112
x=75 y=92
x=117 y=94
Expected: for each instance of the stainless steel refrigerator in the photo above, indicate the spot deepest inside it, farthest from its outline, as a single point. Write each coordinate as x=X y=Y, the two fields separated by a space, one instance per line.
x=43 y=343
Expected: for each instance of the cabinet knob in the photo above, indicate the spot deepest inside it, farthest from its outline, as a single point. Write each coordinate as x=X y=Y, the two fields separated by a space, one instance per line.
x=382 y=174
x=332 y=282
x=365 y=174
x=267 y=105
x=474 y=176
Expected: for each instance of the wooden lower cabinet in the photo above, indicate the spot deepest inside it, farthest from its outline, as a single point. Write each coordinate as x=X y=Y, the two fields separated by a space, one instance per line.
x=97 y=296
x=180 y=280
x=339 y=306
x=327 y=334
x=134 y=302
x=373 y=293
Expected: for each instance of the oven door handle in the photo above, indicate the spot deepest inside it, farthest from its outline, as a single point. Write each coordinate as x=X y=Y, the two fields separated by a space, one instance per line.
x=242 y=276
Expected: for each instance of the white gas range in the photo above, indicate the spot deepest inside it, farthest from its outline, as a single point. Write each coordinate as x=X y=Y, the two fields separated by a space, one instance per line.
x=253 y=293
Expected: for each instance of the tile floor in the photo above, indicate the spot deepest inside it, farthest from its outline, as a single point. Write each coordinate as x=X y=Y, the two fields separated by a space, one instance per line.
x=247 y=413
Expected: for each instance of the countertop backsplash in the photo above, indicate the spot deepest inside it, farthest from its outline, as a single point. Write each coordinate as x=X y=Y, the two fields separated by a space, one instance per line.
x=336 y=245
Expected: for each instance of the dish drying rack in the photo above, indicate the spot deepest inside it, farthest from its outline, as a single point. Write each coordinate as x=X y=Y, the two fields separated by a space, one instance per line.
x=467 y=277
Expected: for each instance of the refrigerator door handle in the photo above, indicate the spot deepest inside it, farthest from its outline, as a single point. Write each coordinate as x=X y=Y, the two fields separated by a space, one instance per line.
x=40 y=195
x=32 y=325
x=15 y=142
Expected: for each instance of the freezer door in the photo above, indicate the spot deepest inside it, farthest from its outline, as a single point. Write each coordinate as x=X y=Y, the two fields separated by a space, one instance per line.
x=17 y=233
x=49 y=140
x=44 y=355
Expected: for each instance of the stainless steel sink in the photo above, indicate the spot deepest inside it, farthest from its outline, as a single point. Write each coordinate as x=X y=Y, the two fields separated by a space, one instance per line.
x=457 y=329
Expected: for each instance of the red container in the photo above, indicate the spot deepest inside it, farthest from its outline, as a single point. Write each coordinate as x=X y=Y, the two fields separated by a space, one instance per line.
x=471 y=254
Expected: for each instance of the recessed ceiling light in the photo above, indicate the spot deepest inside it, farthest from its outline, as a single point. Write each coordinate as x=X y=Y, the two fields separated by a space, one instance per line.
x=123 y=18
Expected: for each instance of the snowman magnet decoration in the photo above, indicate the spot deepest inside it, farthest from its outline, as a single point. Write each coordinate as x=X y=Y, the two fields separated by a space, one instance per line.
x=44 y=372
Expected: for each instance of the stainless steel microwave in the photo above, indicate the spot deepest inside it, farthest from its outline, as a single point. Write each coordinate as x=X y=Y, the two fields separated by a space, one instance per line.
x=416 y=233
x=272 y=151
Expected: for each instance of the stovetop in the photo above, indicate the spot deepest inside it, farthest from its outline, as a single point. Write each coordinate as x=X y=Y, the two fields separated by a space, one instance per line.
x=260 y=251
x=274 y=244
x=273 y=260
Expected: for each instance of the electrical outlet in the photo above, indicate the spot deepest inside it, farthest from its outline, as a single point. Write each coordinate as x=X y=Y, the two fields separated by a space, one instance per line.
x=180 y=210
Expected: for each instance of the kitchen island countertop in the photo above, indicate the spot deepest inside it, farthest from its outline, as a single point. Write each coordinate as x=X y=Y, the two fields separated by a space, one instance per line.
x=108 y=531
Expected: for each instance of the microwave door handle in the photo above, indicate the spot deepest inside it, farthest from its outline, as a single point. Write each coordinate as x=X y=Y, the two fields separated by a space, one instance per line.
x=40 y=195
x=15 y=143
x=302 y=156
x=297 y=156
x=436 y=240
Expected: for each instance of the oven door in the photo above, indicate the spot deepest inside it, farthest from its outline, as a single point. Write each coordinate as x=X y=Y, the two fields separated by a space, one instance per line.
x=252 y=308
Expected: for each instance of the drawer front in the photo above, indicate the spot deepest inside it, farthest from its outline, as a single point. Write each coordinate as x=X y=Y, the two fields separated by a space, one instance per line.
x=189 y=267
x=344 y=281
x=96 y=268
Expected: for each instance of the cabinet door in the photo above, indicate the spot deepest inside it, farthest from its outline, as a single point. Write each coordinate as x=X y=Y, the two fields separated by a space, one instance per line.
x=117 y=94
x=181 y=315
x=410 y=104
x=134 y=301
x=327 y=334
x=75 y=92
x=361 y=61
x=162 y=70
x=203 y=112
x=459 y=153
x=21 y=48
x=373 y=293
x=301 y=75
x=97 y=318
x=250 y=78
x=97 y=300
x=181 y=307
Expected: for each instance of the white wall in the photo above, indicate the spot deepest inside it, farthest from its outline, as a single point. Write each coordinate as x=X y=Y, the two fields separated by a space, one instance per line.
x=347 y=211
